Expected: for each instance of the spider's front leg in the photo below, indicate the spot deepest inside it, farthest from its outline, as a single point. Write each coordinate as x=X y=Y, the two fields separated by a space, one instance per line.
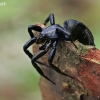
x=37 y=56
x=33 y=27
x=50 y=59
x=29 y=43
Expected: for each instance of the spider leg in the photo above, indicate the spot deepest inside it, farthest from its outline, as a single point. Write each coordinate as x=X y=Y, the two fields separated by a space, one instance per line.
x=43 y=46
x=50 y=59
x=33 y=60
x=74 y=44
x=43 y=64
x=33 y=27
x=29 y=43
x=72 y=41
x=51 y=19
x=67 y=35
x=37 y=56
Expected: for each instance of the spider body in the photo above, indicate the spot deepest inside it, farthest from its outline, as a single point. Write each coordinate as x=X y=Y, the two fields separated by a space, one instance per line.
x=49 y=38
x=54 y=32
x=50 y=32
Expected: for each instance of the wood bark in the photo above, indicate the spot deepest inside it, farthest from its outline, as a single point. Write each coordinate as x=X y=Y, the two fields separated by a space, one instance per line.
x=82 y=63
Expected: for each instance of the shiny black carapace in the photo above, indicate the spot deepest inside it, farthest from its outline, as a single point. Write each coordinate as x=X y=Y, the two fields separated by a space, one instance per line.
x=49 y=37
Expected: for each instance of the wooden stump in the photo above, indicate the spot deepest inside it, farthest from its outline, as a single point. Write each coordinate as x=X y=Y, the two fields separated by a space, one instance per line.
x=83 y=64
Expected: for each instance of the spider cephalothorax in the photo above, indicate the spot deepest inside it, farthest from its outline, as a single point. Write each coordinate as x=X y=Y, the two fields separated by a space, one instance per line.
x=49 y=37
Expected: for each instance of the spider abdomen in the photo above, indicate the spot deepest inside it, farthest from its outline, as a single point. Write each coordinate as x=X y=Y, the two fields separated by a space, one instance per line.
x=79 y=32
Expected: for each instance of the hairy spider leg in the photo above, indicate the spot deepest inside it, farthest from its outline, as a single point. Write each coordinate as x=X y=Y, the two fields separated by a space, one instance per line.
x=37 y=56
x=33 y=27
x=51 y=19
x=51 y=57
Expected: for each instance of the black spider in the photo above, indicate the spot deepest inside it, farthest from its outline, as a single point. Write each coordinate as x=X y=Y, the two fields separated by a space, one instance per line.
x=50 y=36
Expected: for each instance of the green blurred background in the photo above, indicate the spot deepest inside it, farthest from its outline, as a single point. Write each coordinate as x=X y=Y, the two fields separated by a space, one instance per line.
x=18 y=79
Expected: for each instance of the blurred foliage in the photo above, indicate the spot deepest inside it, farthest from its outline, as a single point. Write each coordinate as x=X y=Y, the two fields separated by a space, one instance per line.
x=18 y=79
